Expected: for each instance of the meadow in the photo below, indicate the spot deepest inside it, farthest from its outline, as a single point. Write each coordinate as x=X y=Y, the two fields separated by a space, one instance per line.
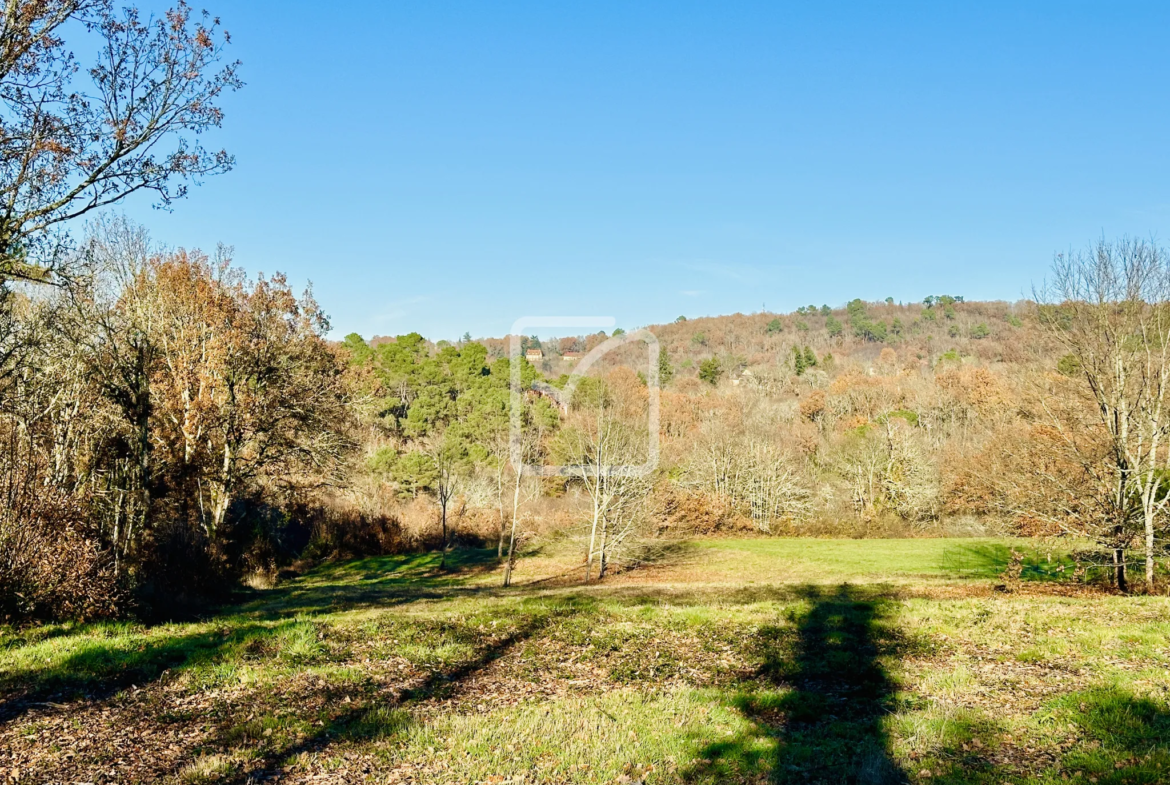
x=732 y=660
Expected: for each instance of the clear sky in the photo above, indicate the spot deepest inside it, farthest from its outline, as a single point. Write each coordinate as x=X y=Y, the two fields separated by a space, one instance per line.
x=448 y=167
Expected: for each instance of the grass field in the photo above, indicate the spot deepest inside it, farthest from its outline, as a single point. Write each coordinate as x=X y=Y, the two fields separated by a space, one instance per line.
x=790 y=661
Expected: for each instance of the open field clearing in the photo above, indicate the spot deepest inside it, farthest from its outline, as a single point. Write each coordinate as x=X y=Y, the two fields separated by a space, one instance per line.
x=737 y=661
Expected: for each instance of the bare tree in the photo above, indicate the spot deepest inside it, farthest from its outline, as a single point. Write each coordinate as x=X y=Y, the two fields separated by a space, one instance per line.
x=750 y=472
x=449 y=457
x=1109 y=308
x=74 y=138
x=603 y=451
x=531 y=445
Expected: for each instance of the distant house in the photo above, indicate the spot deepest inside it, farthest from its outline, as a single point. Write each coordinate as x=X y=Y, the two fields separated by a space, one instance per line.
x=741 y=374
x=571 y=356
x=534 y=355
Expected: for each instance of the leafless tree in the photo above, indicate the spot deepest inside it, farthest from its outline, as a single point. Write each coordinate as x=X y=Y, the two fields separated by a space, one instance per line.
x=448 y=455
x=74 y=137
x=603 y=450
x=1109 y=308
x=750 y=471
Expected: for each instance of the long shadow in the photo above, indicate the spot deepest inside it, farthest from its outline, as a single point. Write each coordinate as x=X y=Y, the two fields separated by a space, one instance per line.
x=995 y=560
x=101 y=667
x=819 y=695
x=371 y=582
x=383 y=714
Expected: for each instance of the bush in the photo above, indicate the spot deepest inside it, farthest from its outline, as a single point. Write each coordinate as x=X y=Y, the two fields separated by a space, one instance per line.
x=690 y=513
x=51 y=566
x=1068 y=365
x=710 y=370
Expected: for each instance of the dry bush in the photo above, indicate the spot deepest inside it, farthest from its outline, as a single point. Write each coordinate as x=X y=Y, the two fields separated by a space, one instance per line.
x=682 y=512
x=51 y=565
x=812 y=407
x=345 y=530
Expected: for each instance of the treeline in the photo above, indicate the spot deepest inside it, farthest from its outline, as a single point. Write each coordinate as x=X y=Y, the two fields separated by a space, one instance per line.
x=166 y=421
x=1042 y=417
x=173 y=426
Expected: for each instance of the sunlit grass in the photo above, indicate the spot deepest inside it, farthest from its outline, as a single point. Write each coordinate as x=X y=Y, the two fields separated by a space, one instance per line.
x=739 y=673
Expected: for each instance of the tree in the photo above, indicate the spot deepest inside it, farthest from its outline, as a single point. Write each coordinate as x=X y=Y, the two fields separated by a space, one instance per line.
x=863 y=325
x=665 y=369
x=834 y=326
x=733 y=462
x=1109 y=308
x=870 y=330
x=710 y=371
x=537 y=419
x=244 y=388
x=799 y=363
x=448 y=454
x=414 y=473
x=775 y=327
x=600 y=448
x=68 y=147
x=281 y=411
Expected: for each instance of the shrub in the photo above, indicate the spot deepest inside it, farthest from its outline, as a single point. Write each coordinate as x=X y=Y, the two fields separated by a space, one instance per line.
x=1068 y=365
x=51 y=566
x=710 y=371
x=812 y=407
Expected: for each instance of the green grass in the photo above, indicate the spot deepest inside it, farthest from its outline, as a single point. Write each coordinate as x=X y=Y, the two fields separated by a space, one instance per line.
x=832 y=561
x=735 y=661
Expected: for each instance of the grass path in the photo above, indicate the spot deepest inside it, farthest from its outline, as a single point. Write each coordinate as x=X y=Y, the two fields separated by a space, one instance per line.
x=737 y=661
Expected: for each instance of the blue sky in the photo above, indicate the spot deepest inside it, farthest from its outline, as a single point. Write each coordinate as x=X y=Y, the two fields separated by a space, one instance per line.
x=448 y=167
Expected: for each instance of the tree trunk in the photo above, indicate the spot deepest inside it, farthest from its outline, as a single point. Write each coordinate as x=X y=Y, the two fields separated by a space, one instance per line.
x=219 y=512
x=601 y=559
x=512 y=539
x=592 y=543
x=503 y=535
x=1150 y=552
x=500 y=498
x=443 y=515
x=1119 y=569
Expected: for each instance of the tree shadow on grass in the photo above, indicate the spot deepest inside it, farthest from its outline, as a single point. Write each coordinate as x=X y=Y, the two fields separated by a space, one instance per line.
x=100 y=666
x=381 y=714
x=106 y=659
x=994 y=560
x=1124 y=738
x=818 y=698
x=378 y=581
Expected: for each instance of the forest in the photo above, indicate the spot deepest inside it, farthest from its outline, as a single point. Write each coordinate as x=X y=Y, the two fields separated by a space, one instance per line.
x=174 y=428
